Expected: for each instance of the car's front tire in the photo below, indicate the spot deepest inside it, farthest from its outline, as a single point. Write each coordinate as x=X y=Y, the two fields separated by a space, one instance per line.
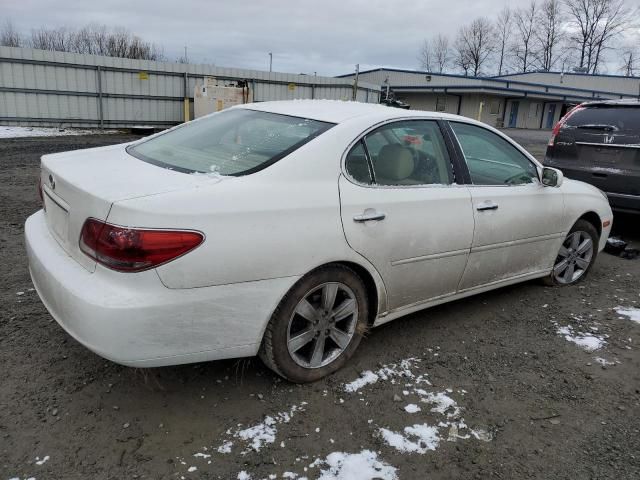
x=576 y=256
x=317 y=326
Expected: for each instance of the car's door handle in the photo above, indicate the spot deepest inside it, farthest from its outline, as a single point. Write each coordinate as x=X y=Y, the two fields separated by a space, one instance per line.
x=368 y=215
x=487 y=205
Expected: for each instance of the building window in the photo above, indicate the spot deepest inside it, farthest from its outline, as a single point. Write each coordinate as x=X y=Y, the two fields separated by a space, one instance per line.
x=494 y=107
x=441 y=104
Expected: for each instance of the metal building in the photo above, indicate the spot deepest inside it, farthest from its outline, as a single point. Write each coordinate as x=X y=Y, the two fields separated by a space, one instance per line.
x=523 y=100
x=43 y=88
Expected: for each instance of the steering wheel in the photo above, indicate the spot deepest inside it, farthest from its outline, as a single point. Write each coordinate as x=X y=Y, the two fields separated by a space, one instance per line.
x=518 y=176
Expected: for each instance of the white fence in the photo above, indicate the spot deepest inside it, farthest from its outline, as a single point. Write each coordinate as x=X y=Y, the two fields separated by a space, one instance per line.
x=40 y=88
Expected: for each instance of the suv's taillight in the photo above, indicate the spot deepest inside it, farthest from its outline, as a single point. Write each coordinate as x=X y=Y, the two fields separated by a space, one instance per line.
x=561 y=122
x=132 y=249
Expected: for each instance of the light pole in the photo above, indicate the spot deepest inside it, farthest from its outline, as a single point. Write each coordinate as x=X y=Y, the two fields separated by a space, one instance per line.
x=270 y=61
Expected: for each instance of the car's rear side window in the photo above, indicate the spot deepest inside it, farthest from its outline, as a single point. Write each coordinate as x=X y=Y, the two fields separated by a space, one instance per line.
x=233 y=142
x=620 y=117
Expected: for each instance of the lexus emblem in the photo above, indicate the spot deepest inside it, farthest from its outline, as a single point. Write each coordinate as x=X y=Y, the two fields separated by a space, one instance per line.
x=52 y=182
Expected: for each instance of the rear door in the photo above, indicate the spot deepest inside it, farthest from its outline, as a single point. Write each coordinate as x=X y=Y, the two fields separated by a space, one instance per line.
x=600 y=145
x=403 y=212
x=518 y=221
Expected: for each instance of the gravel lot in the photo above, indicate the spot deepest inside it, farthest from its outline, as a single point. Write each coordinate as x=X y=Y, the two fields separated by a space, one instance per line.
x=502 y=394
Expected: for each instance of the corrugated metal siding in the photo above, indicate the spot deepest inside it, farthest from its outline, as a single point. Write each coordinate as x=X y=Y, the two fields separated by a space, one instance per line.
x=66 y=88
x=627 y=85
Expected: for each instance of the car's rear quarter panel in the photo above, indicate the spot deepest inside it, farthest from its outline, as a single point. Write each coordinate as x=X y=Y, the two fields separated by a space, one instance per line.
x=279 y=222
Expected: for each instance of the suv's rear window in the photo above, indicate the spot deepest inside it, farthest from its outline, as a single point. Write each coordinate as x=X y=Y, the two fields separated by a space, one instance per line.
x=233 y=142
x=621 y=117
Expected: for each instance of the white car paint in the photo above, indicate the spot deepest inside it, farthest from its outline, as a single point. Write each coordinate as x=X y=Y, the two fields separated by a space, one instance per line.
x=264 y=231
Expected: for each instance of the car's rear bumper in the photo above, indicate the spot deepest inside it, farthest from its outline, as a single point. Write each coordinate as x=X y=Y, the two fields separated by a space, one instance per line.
x=609 y=180
x=133 y=319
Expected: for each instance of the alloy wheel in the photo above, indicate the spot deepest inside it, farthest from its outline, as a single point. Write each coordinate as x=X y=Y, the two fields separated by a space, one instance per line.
x=574 y=257
x=322 y=325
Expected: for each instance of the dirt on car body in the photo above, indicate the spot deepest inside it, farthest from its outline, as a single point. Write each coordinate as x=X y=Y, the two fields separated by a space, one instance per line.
x=523 y=382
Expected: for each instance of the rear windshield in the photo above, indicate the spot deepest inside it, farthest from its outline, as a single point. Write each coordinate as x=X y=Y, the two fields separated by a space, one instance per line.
x=233 y=142
x=620 y=117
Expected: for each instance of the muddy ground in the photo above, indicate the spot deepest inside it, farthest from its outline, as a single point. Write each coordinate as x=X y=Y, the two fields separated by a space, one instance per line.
x=512 y=398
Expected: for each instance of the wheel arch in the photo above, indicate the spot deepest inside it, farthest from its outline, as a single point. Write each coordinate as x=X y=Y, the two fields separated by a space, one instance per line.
x=594 y=219
x=373 y=296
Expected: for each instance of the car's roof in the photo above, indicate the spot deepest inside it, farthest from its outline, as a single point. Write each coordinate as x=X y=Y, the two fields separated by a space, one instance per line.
x=625 y=102
x=338 y=111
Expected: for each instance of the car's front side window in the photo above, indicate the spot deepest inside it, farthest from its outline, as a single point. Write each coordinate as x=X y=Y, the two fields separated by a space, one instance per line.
x=491 y=159
x=405 y=153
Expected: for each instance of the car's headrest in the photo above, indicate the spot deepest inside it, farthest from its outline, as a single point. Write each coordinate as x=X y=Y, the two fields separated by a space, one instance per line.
x=394 y=162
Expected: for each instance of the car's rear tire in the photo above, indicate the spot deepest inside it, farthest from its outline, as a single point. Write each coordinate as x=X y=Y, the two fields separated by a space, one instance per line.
x=576 y=256
x=317 y=326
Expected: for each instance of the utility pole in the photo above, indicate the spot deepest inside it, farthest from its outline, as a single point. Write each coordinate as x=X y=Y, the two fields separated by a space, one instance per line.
x=186 y=58
x=270 y=61
x=355 y=82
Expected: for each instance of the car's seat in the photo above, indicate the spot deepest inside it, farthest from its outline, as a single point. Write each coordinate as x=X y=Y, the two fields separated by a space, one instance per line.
x=394 y=165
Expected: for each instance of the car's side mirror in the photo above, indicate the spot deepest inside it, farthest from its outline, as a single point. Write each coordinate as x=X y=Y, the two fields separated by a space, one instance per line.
x=552 y=177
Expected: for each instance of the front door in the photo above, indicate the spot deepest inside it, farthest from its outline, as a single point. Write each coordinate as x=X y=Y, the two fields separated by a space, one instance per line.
x=551 y=115
x=518 y=221
x=401 y=210
x=513 y=115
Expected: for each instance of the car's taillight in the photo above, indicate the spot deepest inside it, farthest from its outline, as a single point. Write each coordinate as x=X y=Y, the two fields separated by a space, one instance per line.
x=561 y=122
x=133 y=249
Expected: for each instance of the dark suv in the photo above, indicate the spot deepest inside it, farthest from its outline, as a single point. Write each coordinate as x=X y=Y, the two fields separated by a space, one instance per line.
x=599 y=143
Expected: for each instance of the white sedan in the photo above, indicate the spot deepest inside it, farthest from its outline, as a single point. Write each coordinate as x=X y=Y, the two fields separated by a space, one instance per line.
x=287 y=229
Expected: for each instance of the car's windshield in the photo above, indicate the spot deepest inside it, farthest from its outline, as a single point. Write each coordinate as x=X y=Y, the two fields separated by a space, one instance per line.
x=233 y=142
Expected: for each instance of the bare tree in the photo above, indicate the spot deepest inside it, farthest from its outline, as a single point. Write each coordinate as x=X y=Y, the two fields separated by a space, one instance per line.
x=9 y=36
x=474 y=45
x=461 y=57
x=441 y=52
x=523 y=46
x=503 y=29
x=435 y=54
x=618 y=19
x=96 y=40
x=596 y=23
x=630 y=65
x=426 y=56
x=548 y=34
x=57 y=39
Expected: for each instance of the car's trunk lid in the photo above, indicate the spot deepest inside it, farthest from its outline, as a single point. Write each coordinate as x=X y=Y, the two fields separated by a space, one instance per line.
x=85 y=183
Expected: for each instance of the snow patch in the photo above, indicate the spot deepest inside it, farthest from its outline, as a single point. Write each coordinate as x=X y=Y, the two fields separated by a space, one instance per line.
x=444 y=404
x=357 y=466
x=632 y=313
x=225 y=447
x=42 y=461
x=20 y=132
x=416 y=438
x=603 y=361
x=412 y=408
x=256 y=436
x=586 y=340
x=243 y=476
x=389 y=372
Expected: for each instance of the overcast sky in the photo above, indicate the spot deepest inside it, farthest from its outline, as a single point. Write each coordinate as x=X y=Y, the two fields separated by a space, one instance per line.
x=324 y=36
